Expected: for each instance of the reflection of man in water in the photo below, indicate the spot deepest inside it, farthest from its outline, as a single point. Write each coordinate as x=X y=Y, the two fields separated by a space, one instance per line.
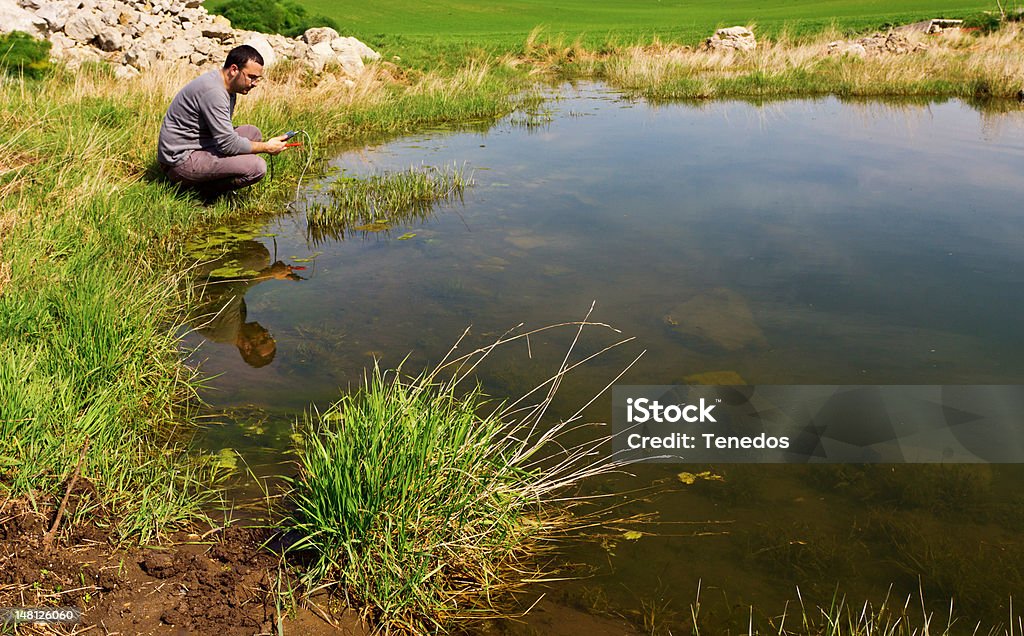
x=222 y=317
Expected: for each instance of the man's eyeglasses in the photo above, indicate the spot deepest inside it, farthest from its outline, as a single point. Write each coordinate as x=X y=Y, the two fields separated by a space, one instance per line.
x=252 y=77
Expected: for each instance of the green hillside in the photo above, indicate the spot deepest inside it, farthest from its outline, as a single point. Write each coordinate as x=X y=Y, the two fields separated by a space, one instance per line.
x=409 y=26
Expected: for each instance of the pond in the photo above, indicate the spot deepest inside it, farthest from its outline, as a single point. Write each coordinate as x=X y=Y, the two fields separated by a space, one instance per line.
x=797 y=242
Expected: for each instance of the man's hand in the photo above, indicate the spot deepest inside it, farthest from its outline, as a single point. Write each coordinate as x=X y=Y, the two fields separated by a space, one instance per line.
x=272 y=146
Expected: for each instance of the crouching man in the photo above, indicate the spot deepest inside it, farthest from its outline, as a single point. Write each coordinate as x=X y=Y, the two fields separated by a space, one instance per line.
x=199 y=147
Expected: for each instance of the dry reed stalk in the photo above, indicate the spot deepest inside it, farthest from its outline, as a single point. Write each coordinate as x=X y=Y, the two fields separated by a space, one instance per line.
x=7 y=223
x=5 y=275
x=995 y=58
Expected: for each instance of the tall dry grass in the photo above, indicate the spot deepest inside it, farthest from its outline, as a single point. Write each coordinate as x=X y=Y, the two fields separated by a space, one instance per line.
x=964 y=65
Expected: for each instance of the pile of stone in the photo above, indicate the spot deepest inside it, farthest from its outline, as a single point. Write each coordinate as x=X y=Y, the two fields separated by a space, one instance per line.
x=892 y=43
x=136 y=35
x=735 y=38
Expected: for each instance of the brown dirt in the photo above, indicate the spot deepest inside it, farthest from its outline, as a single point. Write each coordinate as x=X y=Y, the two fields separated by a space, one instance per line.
x=222 y=585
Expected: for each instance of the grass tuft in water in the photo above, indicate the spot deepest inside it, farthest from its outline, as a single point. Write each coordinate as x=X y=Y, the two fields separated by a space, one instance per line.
x=425 y=502
x=388 y=197
x=909 y=615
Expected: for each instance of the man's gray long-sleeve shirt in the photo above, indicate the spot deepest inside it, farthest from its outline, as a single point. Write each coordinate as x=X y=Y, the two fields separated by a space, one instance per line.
x=199 y=117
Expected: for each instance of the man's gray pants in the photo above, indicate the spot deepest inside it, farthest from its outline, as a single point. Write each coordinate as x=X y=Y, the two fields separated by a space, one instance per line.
x=211 y=173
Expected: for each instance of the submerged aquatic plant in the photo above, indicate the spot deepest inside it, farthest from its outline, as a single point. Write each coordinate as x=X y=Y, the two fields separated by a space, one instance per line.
x=373 y=203
x=424 y=502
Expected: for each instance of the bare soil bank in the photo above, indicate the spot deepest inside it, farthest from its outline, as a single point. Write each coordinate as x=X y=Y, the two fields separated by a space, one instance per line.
x=224 y=584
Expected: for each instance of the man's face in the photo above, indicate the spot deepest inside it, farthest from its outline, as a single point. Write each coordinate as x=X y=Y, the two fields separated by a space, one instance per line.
x=243 y=80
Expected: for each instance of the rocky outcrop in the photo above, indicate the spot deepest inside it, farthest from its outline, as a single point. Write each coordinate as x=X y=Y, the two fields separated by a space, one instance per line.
x=136 y=35
x=15 y=18
x=892 y=43
x=735 y=38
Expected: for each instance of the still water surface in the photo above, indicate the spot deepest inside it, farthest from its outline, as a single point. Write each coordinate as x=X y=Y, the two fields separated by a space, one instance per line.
x=797 y=242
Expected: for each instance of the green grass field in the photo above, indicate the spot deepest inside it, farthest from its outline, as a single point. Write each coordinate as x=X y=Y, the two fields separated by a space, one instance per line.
x=413 y=29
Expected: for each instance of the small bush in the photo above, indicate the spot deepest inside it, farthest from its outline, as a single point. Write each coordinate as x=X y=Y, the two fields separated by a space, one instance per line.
x=986 y=22
x=273 y=16
x=21 y=54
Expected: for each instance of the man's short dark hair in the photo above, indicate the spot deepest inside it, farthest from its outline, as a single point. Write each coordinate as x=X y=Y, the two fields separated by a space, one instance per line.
x=242 y=55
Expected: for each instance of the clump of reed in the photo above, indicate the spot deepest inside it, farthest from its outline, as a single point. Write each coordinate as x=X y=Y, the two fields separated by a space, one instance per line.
x=547 y=53
x=425 y=502
x=389 y=197
x=965 y=65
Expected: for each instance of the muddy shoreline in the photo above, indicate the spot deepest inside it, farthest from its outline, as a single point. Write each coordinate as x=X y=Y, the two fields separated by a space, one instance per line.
x=219 y=581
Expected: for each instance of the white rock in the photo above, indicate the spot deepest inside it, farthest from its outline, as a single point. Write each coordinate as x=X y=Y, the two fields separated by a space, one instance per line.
x=319 y=55
x=737 y=38
x=299 y=50
x=83 y=27
x=839 y=47
x=15 y=18
x=151 y=39
x=175 y=49
x=74 y=57
x=140 y=56
x=261 y=44
x=317 y=35
x=56 y=14
x=128 y=18
x=148 y=31
x=110 y=39
x=123 y=71
x=367 y=53
x=856 y=49
x=350 y=62
x=58 y=43
x=170 y=31
x=344 y=45
x=204 y=46
x=734 y=32
x=218 y=28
